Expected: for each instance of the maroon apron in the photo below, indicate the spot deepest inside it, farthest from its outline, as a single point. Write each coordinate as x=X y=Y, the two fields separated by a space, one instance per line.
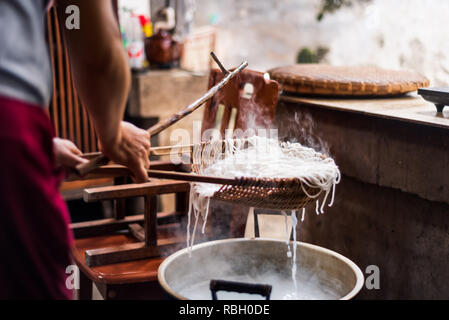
x=35 y=239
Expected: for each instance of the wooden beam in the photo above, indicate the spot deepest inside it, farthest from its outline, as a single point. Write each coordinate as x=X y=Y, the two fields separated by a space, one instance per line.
x=155 y=187
x=107 y=226
x=150 y=222
x=104 y=226
x=74 y=189
x=137 y=231
x=127 y=252
x=114 y=171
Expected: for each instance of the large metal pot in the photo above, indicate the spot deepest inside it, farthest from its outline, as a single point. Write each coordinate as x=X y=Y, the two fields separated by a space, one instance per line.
x=321 y=273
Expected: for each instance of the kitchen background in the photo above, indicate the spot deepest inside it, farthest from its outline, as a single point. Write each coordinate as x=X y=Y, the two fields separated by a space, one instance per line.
x=406 y=34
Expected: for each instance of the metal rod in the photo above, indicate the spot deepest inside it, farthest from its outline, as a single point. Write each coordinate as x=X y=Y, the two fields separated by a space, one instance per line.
x=218 y=62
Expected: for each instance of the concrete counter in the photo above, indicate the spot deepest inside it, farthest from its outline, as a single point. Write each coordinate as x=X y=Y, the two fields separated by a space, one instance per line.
x=401 y=143
x=410 y=108
x=392 y=206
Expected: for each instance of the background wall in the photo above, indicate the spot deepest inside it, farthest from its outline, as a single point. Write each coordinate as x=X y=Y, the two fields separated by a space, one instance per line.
x=407 y=34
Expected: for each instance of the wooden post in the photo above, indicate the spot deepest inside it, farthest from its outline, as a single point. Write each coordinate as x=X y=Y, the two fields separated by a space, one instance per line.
x=182 y=202
x=182 y=205
x=150 y=222
x=119 y=204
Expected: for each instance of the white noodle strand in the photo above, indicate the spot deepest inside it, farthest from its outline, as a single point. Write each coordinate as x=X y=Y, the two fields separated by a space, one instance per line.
x=333 y=196
x=294 y=225
x=287 y=232
x=260 y=157
x=205 y=217
x=189 y=220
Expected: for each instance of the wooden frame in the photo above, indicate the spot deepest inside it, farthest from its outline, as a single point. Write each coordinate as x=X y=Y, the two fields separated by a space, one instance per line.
x=149 y=245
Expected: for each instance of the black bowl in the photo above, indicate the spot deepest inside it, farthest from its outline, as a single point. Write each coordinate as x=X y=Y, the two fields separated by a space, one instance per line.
x=438 y=96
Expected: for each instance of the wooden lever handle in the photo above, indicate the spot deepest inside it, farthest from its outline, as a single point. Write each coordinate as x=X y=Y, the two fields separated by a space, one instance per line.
x=101 y=160
x=181 y=176
x=118 y=170
x=97 y=162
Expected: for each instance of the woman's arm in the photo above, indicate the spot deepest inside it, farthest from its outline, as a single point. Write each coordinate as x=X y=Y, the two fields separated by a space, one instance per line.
x=102 y=77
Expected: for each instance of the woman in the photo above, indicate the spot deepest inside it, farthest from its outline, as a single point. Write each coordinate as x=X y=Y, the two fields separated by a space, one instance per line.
x=34 y=236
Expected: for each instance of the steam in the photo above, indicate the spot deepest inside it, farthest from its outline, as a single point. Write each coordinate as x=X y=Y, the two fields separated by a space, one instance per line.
x=251 y=262
x=302 y=128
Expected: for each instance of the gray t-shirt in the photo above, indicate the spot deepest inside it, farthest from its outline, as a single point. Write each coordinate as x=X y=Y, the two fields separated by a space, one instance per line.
x=25 y=71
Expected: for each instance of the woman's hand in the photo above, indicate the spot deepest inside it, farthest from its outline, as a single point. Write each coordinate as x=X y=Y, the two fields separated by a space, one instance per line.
x=131 y=148
x=67 y=154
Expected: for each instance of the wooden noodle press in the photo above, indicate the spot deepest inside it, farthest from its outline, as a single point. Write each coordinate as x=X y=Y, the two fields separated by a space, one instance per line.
x=148 y=245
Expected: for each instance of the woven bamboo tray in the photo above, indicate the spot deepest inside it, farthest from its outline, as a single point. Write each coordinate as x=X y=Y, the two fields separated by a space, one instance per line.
x=326 y=80
x=268 y=193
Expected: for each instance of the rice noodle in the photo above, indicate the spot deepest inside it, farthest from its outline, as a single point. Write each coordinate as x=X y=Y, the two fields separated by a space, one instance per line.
x=262 y=158
x=287 y=232
x=295 y=243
